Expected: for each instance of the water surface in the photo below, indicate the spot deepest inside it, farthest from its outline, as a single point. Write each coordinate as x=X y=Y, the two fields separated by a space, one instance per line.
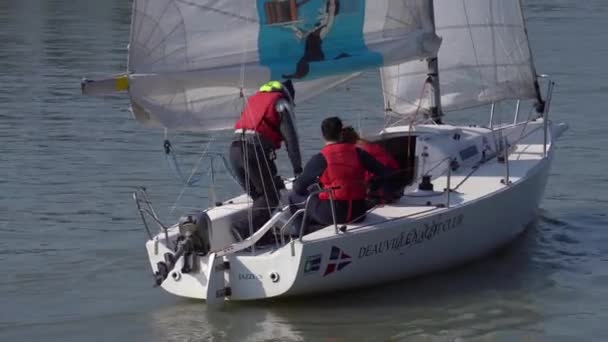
x=71 y=245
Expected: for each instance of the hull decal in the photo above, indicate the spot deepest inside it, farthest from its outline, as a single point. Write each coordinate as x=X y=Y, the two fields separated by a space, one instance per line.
x=337 y=261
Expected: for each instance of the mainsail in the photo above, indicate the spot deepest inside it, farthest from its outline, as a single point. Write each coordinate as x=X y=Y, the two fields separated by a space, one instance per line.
x=193 y=62
x=484 y=58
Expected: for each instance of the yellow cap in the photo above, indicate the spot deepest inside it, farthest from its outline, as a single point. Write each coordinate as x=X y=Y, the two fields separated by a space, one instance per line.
x=270 y=86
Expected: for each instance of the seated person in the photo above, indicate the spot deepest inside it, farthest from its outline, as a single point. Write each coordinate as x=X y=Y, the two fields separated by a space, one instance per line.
x=350 y=136
x=340 y=167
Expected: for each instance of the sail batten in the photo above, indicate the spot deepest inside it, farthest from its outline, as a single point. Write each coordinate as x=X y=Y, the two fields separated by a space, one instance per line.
x=485 y=57
x=189 y=60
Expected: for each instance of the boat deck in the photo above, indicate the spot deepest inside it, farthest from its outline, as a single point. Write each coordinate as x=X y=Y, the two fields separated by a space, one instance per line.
x=468 y=183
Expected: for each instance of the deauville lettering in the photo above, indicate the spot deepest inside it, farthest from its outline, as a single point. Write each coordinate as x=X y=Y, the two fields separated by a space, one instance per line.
x=413 y=237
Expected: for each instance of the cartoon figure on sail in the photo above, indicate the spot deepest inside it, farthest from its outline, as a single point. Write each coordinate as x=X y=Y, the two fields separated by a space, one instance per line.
x=318 y=38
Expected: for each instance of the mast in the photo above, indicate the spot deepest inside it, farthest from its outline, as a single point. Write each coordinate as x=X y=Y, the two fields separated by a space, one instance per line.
x=540 y=102
x=433 y=78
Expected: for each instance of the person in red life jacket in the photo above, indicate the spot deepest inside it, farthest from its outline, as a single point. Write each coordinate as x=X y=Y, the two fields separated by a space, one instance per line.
x=340 y=167
x=349 y=135
x=375 y=194
x=266 y=121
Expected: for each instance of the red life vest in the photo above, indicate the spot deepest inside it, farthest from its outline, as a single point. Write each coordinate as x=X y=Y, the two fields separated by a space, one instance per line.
x=260 y=115
x=380 y=155
x=344 y=172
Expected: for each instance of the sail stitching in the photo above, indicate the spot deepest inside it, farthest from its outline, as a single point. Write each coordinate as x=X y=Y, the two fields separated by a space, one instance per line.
x=466 y=15
x=219 y=11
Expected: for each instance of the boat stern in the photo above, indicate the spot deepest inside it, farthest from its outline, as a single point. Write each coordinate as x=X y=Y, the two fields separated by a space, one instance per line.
x=174 y=275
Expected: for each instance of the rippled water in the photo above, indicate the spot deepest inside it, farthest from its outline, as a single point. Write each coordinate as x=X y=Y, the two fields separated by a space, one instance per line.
x=71 y=246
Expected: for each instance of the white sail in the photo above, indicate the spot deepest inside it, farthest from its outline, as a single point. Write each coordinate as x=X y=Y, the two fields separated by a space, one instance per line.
x=190 y=60
x=484 y=58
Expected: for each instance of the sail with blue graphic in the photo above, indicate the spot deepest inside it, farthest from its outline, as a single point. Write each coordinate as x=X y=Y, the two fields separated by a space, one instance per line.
x=193 y=62
x=317 y=38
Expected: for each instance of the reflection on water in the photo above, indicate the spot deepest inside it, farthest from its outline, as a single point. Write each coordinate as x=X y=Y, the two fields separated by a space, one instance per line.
x=71 y=246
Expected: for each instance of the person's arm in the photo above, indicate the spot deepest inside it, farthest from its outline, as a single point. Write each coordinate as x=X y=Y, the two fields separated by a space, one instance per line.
x=372 y=165
x=290 y=135
x=312 y=171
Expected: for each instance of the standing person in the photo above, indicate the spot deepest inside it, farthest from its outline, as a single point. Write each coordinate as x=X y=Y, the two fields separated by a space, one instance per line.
x=340 y=167
x=266 y=121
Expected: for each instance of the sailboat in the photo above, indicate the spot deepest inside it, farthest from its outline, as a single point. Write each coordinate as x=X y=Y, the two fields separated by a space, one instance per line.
x=470 y=189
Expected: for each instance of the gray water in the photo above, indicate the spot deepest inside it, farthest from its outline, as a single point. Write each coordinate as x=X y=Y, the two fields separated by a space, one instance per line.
x=73 y=265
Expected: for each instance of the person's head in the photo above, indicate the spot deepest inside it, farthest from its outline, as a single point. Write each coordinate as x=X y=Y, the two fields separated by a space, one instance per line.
x=349 y=135
x=332 y=129
x=286 y=88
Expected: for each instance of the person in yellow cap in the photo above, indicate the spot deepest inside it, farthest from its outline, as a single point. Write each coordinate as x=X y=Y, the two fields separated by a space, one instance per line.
x=266 y=121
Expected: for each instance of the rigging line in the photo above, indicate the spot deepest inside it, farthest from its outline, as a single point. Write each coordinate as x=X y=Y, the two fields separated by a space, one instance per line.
x=245 y=98
x=527 y=121
x=419 y=106
x=175 y=165
x=493 y=31
x=245 y=153
x=466 y=14
x=243 y=59
x=424 y=86
x=257 y=157
x=401 y=98
x=387 y=102
x=267 y=164
x=175 y=204
x=168 y=149
x=274 y=185
x=171 y=158
x=245 y=142
x=181 y=193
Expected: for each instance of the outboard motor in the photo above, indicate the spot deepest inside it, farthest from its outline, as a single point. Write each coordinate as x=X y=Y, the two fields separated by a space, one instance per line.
x=194 y=240
x=196 y=227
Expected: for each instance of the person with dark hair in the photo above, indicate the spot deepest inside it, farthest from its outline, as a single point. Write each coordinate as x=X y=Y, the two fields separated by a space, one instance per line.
x=350 y=136
x=266 y=121
x=339 y=168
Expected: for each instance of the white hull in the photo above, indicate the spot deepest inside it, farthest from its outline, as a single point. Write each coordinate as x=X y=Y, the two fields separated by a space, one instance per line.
x=438 y=240
x=394 y=242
